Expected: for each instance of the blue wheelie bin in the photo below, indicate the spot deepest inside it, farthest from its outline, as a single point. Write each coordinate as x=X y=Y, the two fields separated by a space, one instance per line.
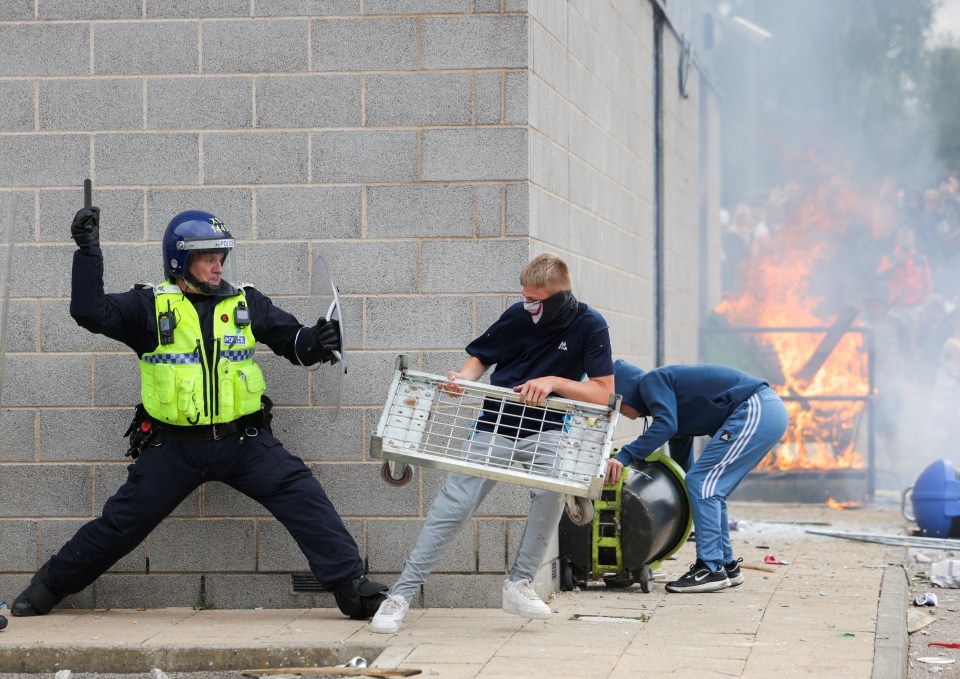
x=936 y=500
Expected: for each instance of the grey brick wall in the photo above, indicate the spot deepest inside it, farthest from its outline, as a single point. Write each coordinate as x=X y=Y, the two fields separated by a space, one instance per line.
x=427 y=148
x=591 y=188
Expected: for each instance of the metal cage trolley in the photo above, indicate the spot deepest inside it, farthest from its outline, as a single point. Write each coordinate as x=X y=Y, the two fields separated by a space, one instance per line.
x=424 y=426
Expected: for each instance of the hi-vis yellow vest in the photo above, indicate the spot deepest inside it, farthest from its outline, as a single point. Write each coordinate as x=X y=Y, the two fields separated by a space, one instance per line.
x=182 y=384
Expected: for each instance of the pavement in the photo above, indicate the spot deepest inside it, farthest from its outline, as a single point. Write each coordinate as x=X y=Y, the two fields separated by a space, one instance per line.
x=834 y=608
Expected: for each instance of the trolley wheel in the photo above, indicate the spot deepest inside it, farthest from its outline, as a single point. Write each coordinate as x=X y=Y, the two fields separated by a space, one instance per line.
x=401 y=480
x=566 y=576
x=617 y=582
x=645 y=577
x=580 y=512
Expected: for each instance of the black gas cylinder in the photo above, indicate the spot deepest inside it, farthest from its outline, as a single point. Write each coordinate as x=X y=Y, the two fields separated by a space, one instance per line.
x=654 y=522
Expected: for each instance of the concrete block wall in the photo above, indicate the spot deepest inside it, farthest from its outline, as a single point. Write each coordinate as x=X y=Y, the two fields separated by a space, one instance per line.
x=426 y=148
x=591 y=136
x=592 y=169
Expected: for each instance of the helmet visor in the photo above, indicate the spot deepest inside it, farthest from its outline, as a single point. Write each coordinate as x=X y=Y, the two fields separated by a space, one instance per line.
x=211 y=266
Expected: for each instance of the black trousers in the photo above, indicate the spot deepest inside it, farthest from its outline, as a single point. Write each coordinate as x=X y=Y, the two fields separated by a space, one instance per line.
x=162 y=477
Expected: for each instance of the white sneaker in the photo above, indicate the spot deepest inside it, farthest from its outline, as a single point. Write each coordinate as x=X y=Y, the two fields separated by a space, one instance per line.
x=390 y=614
x=520 y=599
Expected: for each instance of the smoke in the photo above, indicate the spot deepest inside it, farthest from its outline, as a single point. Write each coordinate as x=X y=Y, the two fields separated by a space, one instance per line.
x=845 y=81
x=837 y=197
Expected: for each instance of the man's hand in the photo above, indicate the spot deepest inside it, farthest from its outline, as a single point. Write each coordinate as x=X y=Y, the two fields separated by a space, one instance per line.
x=450 y=387
x=328 y=338
x=85 y=228
x=535 y=391
x=614 y=469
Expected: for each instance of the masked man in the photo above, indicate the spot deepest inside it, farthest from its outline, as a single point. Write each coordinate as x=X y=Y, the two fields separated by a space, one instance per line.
x=541 y=346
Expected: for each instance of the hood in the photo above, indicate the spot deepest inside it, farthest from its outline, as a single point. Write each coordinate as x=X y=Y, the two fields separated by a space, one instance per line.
x=626 y=380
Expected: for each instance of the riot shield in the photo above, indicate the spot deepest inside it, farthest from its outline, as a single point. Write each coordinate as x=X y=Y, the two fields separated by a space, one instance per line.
x=328 y=379
x=8 y=213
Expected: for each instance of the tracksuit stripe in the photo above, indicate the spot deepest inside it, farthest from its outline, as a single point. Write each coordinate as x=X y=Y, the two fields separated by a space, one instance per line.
x=749 y=429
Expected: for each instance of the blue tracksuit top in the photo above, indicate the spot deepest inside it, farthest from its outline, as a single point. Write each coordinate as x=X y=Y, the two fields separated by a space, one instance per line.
x=682 y=400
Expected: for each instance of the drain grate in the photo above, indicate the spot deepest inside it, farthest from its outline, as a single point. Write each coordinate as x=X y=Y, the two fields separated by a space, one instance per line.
x=305 y=583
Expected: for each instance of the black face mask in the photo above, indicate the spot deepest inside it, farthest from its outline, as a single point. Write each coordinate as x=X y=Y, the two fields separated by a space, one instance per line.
x=556 y=311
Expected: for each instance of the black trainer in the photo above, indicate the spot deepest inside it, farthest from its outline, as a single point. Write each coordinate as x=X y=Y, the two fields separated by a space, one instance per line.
x=700 y=579
x=733 y=572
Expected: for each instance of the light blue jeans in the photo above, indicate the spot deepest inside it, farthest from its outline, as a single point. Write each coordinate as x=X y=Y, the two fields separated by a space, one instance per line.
x=743 y=440
x=462 y=494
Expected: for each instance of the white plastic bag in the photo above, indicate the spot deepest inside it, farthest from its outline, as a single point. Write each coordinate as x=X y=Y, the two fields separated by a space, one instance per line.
x=946 y=573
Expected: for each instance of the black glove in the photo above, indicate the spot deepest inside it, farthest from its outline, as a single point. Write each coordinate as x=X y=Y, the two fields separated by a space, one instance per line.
x=85 y=228
x=328 y=338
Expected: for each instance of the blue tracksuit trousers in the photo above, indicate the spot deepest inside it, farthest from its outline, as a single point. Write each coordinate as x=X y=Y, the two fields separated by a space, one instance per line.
x=745 y=437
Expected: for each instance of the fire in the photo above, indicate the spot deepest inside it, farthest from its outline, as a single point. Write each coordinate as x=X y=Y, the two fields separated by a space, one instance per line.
x=833 y=504
x=779 y=291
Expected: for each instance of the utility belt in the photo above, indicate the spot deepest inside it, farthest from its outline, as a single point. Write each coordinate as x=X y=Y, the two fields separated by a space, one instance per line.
x=146 y=431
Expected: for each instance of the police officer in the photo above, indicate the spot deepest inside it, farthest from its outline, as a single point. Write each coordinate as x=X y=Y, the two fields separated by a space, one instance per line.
x=202 y=417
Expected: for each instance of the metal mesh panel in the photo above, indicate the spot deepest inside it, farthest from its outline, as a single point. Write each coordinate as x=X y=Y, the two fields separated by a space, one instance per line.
x=563 y=445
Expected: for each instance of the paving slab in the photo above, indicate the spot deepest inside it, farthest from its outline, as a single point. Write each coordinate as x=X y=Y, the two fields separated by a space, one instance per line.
x=835 y=609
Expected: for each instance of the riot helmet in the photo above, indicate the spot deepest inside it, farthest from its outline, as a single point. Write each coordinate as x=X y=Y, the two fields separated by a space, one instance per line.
x=190 y=236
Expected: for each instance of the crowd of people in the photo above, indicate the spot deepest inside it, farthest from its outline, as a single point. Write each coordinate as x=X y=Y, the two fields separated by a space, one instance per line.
x=896 y=258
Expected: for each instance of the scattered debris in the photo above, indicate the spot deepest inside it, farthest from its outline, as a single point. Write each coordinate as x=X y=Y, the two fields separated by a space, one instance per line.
x=917 y=620
x=643 y=617
x=757 y=567
x=894 y=540
x=946 y=573
x=157 y=673
x=926 y=555
x=926 y=599
x=937 y=660
x=355 y=662
x=335 y=671
x=943 y=644
x=63 y=674
x=3 y=622
x=771 y=559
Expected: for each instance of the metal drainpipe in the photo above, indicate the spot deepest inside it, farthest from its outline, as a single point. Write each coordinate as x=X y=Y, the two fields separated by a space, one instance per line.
x=704 y=178
x=658 y=180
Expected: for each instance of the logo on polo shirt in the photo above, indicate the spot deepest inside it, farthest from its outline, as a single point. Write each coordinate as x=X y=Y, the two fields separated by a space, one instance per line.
x=563 y=346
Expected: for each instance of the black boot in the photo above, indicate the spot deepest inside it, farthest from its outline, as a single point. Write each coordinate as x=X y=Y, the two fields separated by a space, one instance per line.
x=360 y=598
x=37 y=598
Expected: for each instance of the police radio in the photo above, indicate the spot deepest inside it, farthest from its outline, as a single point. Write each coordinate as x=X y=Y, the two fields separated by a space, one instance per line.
x=166 y=323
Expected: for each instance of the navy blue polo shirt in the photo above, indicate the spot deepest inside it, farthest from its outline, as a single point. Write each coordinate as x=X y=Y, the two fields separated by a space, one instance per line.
x=521 y=351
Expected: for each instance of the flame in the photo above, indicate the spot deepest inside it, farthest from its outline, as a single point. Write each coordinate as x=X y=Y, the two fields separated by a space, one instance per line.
x=833 y=504
x=779 y=291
